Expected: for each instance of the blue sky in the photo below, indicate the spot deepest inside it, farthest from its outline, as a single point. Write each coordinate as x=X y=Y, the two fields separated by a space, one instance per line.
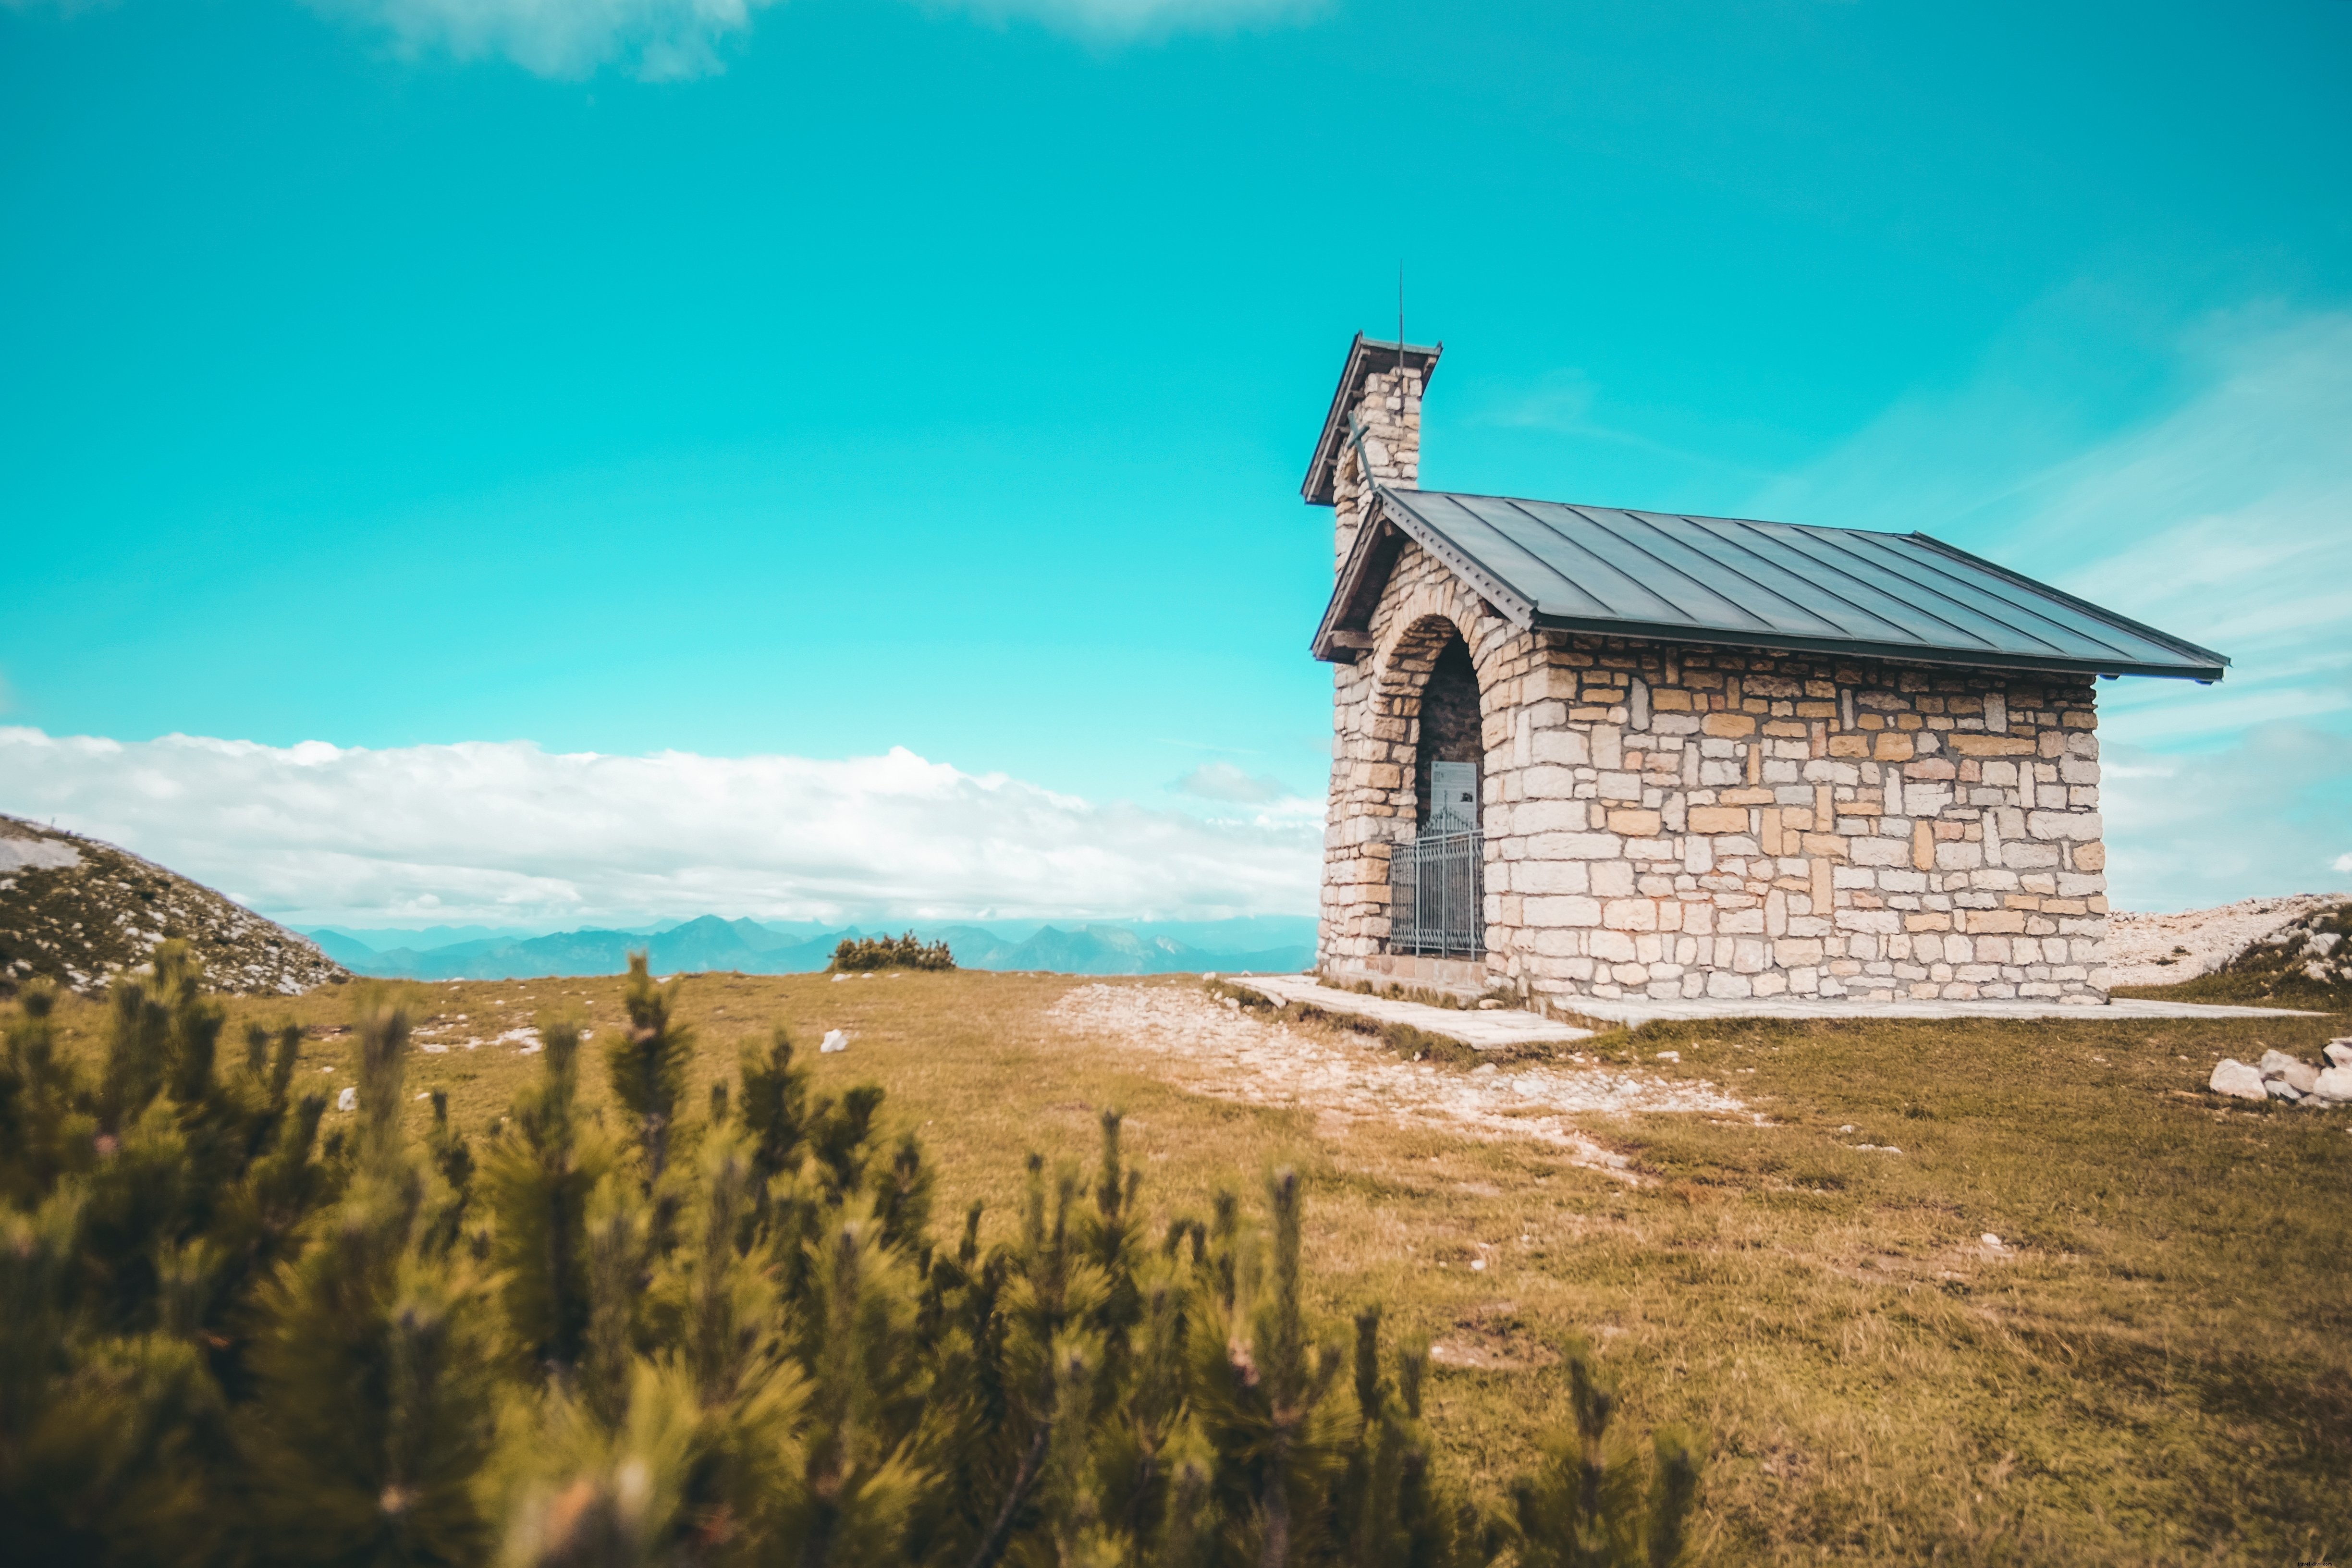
x=478 y=383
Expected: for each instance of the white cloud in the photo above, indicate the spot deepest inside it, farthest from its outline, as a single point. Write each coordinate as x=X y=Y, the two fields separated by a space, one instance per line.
x=670 y=39
x=506 y=834
x=2268 y=814
x=659 y=39
x=1223 y=781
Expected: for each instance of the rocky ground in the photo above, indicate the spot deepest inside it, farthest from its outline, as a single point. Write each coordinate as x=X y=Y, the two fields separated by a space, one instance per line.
x=1217 y=1048
x=80 y=912
x=2164 y=950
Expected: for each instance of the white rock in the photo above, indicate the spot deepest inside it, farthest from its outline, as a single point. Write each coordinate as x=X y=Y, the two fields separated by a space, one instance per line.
x=2339 y=1052
x=2279 y=1088
x=348 y=1100
x=839 y=978
x=2334 y=1086
x=2298 y=1076
x=1670 y=1055
x=1989 y=1239
x=2235 y=1078
x=835 y=1041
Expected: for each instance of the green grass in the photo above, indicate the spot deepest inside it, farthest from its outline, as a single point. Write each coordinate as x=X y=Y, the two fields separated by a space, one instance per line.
x=2157 y=1369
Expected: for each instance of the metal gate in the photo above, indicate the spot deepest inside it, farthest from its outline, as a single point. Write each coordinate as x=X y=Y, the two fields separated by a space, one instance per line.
x=1437 y=895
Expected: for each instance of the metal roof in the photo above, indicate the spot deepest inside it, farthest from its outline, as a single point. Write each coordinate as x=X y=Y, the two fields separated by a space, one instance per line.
x=1736 y=583
x=1365 y=355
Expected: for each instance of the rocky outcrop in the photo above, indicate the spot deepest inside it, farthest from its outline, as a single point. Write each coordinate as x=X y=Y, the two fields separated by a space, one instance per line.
x=81 y=912
x=2315 y=947
x=2281 y=1077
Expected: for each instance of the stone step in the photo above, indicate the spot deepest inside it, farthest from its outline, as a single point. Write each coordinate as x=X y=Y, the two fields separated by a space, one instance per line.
x=1492 y=1029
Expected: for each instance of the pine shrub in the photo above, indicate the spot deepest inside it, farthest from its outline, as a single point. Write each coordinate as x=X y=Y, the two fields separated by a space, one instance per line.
x=905 y=951
x=656 y=1338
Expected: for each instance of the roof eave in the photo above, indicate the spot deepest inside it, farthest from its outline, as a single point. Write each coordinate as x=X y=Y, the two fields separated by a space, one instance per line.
x=1902 y=653
x=2204 y=657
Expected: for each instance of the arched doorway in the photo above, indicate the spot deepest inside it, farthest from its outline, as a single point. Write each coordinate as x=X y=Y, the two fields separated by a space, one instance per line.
x=1437 y=875
x=1450 y=758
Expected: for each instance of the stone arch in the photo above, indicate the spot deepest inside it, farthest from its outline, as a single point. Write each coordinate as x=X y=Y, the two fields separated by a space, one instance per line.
x=1430 y=702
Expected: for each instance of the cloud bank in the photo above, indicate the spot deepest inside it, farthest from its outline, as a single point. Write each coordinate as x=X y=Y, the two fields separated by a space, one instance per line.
x=673 y=40
x=505 y=833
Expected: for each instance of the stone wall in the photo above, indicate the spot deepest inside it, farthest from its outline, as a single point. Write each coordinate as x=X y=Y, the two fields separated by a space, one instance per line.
x=1684 y=822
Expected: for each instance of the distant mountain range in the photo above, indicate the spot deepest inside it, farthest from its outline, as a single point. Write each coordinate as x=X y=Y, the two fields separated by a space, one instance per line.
x=1265 y=945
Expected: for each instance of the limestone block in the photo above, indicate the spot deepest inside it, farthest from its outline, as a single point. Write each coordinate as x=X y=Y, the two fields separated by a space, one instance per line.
x=1551 y=876
x=1958 y=855
x=1562 y=747
x=1630 y=914
x=1609 y=946
x=1926 y=799
x=1968 y=746
x=1620 y=786
x=2080 y=825
x=1879 y=851
x=1575 y=847
x=1536 y=816
x=1719 y=819
x=1729 y=987
x=1561 y=911
x=1612 y=880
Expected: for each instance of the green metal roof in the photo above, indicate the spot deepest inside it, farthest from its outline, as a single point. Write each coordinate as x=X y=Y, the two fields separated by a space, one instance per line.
x=1736 y=583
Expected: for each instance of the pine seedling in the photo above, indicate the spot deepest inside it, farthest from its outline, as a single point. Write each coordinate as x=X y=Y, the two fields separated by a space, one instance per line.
x=537 y=1176
x=775 y=1107
x=375 y=1399
x=1585 y=1506
x=646 y=1064
x=861 y=1483
x=1264 y=1393
x=44 y=1131
x=575 y=1494
x=619 y=1258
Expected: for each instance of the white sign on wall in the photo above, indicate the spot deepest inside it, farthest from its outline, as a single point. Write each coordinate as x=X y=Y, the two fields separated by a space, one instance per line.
x=1453 y=797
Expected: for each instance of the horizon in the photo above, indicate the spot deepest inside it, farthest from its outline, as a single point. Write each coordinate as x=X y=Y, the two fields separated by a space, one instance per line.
x=489 y=463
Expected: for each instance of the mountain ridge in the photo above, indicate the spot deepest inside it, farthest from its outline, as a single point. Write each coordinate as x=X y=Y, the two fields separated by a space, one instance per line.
x=711 y=942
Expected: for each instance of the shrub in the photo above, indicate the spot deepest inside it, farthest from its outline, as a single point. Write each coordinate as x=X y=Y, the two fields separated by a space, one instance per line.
x=723 y=1339
x=901 y=952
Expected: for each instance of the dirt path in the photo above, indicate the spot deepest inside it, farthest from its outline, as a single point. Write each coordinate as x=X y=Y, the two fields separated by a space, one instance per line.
x=1213 y=1047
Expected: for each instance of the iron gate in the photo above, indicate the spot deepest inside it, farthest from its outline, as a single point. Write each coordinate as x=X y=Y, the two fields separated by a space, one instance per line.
x=1437 y=895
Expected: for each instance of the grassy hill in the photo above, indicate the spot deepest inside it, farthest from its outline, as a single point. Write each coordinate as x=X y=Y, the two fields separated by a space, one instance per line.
x=79 y=911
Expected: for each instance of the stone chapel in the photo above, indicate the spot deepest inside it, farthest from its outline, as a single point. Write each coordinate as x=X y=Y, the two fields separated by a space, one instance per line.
x=1586 y=751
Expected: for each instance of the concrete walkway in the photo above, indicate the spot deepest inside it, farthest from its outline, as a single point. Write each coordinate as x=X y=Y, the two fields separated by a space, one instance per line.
x=1634 y=1012
x=1494 y=1030
x=1501 y=1028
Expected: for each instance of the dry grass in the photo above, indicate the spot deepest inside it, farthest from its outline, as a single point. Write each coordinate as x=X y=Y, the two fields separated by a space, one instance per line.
x=2156 y=1367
